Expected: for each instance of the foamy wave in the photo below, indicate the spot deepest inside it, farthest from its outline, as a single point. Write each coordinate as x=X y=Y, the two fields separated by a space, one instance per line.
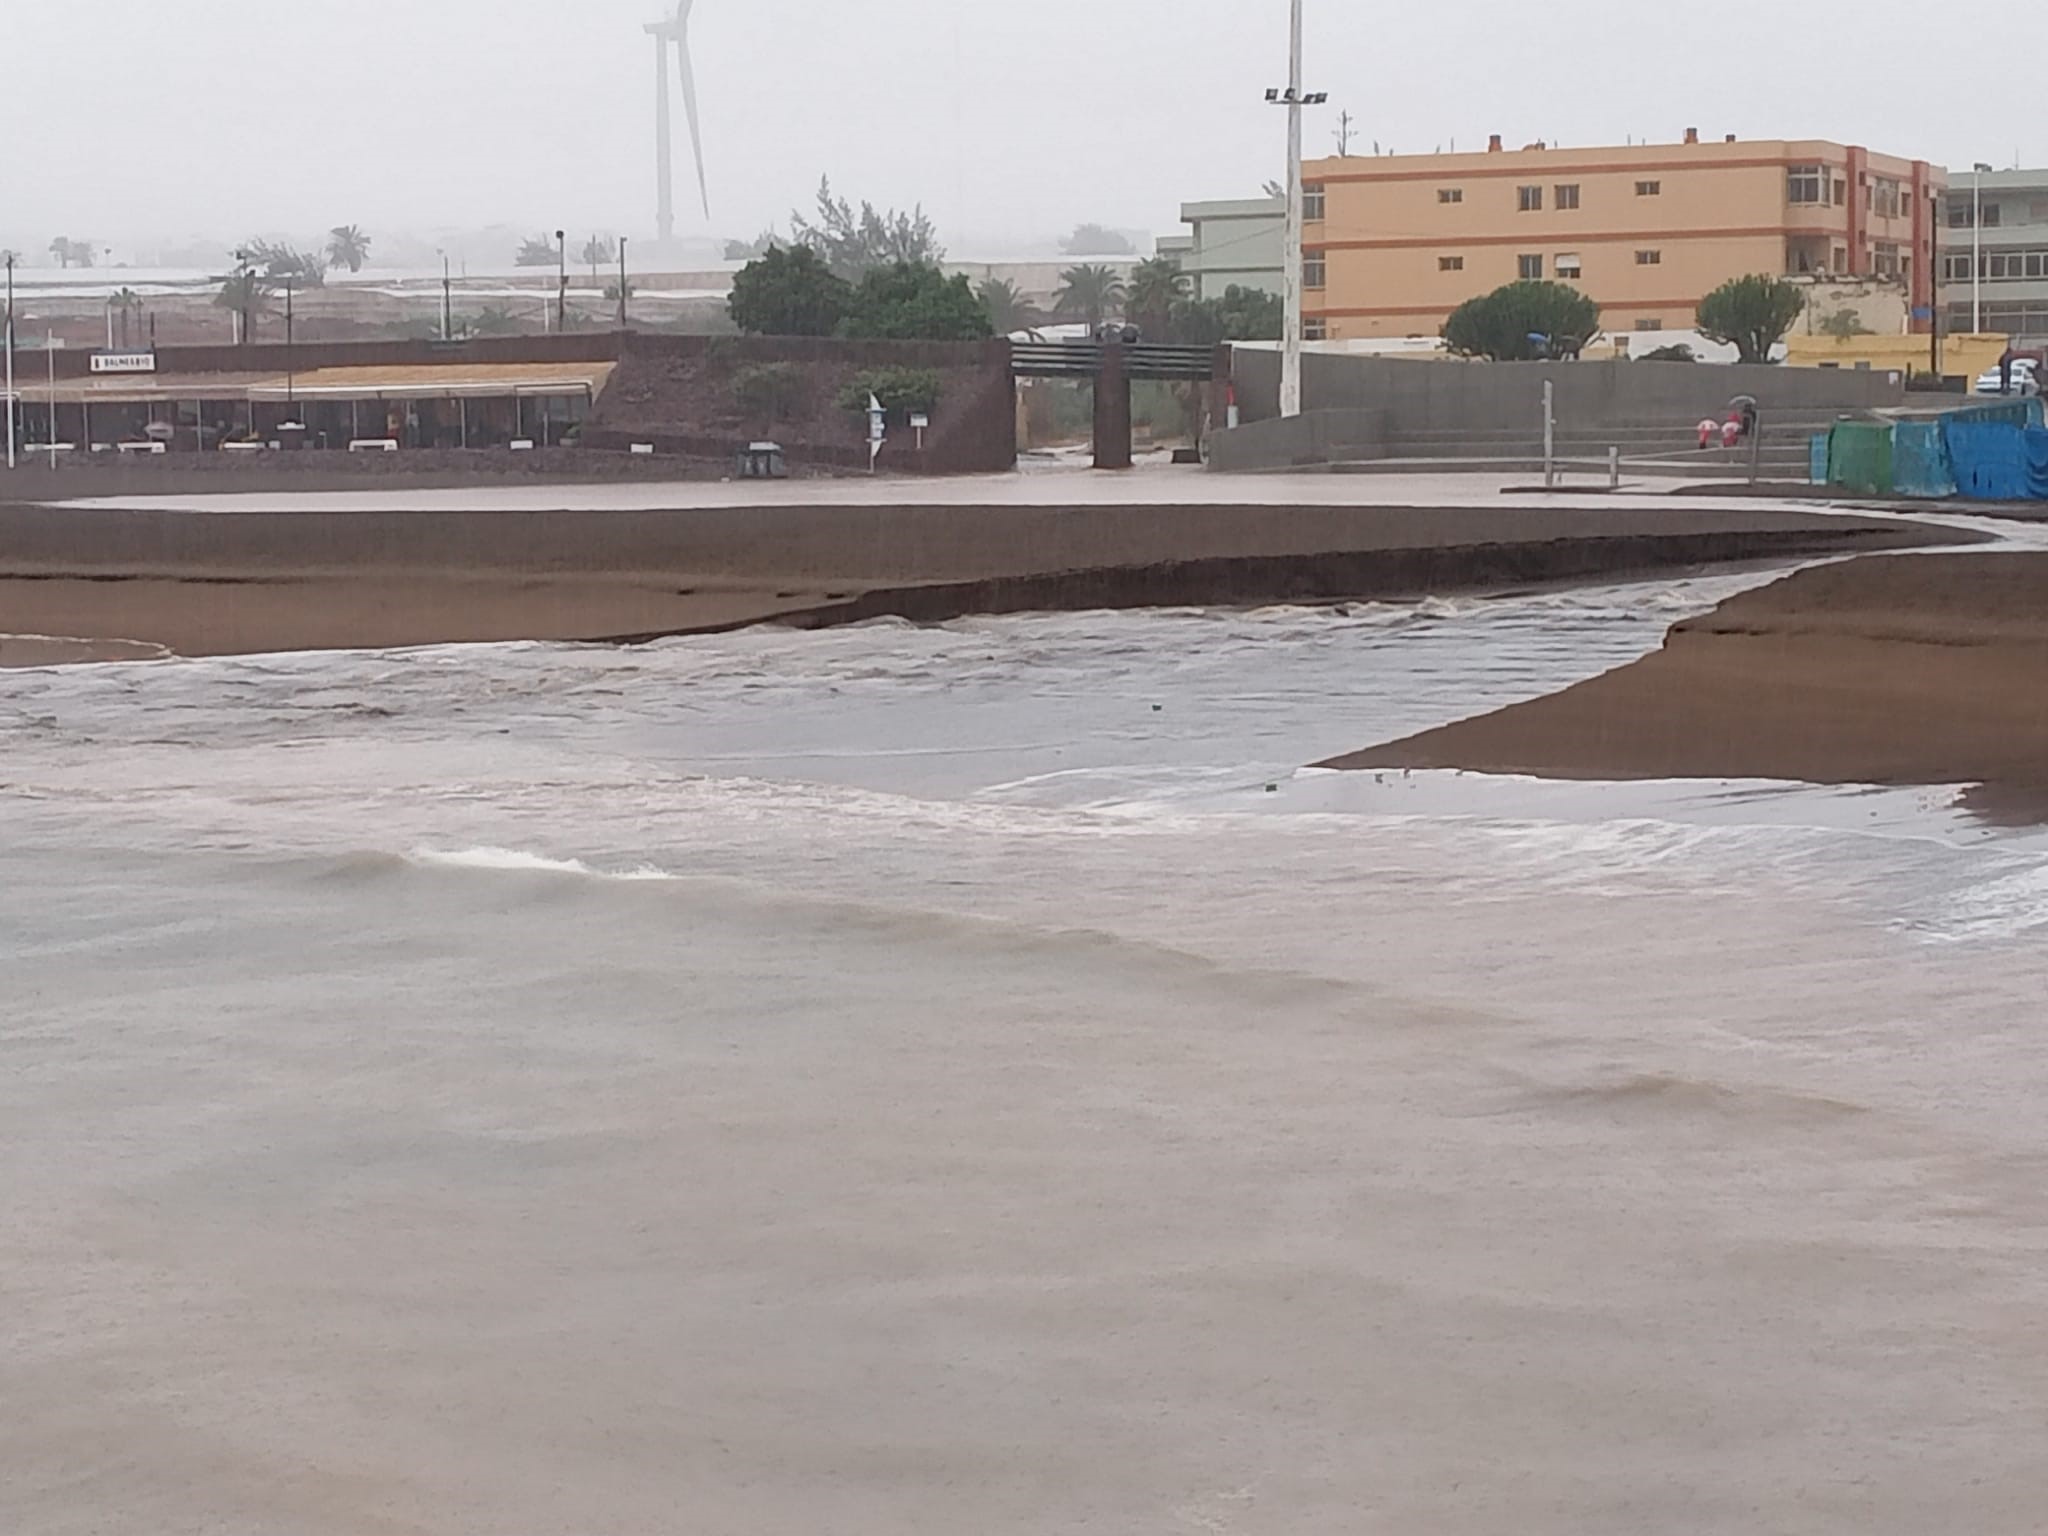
x=512 y=861
x=1998 y=909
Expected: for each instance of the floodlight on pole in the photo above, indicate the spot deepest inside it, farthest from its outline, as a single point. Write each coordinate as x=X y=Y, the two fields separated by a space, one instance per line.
x=1977 y=249
x=1293 y=98
x=562 y=292
x=10 y=360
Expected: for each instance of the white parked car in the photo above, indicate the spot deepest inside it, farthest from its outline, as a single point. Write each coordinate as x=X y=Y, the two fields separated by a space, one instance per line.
x=2025 y=380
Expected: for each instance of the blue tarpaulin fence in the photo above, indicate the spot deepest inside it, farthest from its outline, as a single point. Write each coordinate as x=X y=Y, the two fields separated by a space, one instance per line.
x=1920 y=461
x=1997 y=461
x=1993 y=452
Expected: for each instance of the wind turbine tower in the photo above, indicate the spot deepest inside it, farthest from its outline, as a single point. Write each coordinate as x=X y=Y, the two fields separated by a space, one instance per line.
x=674 y=32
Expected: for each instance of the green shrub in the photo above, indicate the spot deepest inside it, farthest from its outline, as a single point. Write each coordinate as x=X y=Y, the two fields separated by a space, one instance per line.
x=902 y=391
x=770 y=392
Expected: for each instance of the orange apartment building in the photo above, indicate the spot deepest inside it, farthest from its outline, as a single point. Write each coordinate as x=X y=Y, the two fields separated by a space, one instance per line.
x=1395 y=243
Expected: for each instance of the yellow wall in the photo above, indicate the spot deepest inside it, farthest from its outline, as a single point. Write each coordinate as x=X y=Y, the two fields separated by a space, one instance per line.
x=1719 y=211
x=1968 y=356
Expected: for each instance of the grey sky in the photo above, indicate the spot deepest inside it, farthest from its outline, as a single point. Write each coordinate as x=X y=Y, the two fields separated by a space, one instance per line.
x=1010 y=119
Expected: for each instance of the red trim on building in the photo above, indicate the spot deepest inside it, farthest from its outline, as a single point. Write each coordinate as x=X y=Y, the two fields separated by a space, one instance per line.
x=1859 y=192
x=1923 y=293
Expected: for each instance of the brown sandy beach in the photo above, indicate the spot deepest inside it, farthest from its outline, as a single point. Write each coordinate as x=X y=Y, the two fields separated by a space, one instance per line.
x=202 y=583
x=1928 y=669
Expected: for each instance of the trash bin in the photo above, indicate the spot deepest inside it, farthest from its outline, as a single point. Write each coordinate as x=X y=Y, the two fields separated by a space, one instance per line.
x=763 y=461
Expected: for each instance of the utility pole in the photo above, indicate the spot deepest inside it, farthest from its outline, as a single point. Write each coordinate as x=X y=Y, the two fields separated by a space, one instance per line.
x=246 y=272
x=1977 y=250
x=562 y=293
x=447 y=301
x=1294 y=99
x=622 y=282
x=290 y=382
x=10 y=360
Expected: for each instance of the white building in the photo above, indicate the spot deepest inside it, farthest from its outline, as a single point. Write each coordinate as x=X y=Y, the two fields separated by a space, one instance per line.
x=1241 y=242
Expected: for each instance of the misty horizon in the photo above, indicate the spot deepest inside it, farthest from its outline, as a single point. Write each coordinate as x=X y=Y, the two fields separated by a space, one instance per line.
x=1009 y=127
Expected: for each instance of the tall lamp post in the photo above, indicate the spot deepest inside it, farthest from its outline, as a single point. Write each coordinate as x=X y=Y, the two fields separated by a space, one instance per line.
x=1977 y=249
x=562 y=288
x=1294 y=99
x=245 y=274
x=622 y=282
x=447 y=299
x=291 y=392
x=10 y=359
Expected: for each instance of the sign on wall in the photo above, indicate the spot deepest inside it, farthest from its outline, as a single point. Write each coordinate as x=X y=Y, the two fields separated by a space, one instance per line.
x=124 y=362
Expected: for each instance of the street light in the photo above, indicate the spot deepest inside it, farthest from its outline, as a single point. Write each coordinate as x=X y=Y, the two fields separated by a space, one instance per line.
x=1977 y=249
x=291 y=394
x=447 y=300
x=245 y=274
x=10 y=359
x=1293 y=98
x=562 y=291
x=622 y=282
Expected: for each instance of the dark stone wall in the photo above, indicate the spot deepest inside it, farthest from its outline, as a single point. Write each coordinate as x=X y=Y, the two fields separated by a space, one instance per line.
x=676 y=393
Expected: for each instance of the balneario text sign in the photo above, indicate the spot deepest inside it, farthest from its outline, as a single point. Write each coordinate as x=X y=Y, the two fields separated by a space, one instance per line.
x=124 y=362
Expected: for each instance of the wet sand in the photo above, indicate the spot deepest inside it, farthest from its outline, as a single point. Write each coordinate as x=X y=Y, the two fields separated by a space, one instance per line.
x=1903 y=670
x=278 y=580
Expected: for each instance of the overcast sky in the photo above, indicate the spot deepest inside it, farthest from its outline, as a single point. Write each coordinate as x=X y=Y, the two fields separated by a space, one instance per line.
x=137 y=121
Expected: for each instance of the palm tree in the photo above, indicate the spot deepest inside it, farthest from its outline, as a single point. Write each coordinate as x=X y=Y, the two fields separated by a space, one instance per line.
x=347 y=246
x=1008 y=310
x=125 y=303
x=1157 y=285
x=599 y=251
x=494 y=320
x=246 y=293
x=536 y=251
x=1089 y=293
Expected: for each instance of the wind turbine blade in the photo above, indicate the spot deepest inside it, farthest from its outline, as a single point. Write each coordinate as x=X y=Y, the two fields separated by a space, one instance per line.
x=689 y=75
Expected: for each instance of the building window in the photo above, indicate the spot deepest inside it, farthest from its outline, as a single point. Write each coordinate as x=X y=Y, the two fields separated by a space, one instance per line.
x=1955 y=269
x=1315 y=270
x=1884 y=260
x=1649 y=258
x=1649 y=189
x=1806 y=184
x=1649 y=325
x=1531 y=199
x=1841 y=193
x=1531 y=268
x=1450 y=263
x=1841 y=264
x=1313 y=203
x=1568 y=266
x=1314 y=328
x=1991 y=215
x=2003 y=266
x=1959 y=214
x=1886 y=193
x=1450 y=194
x=1568 y=197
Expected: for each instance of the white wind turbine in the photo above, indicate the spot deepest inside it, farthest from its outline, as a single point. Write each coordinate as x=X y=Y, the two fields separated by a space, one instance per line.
x=676 y=31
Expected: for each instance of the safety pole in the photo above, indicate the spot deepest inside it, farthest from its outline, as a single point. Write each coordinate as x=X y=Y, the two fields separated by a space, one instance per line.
x=1614 y=469
x=1549 y=435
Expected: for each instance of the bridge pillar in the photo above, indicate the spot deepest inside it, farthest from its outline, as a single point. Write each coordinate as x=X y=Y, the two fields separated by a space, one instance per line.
x=1113 y=410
